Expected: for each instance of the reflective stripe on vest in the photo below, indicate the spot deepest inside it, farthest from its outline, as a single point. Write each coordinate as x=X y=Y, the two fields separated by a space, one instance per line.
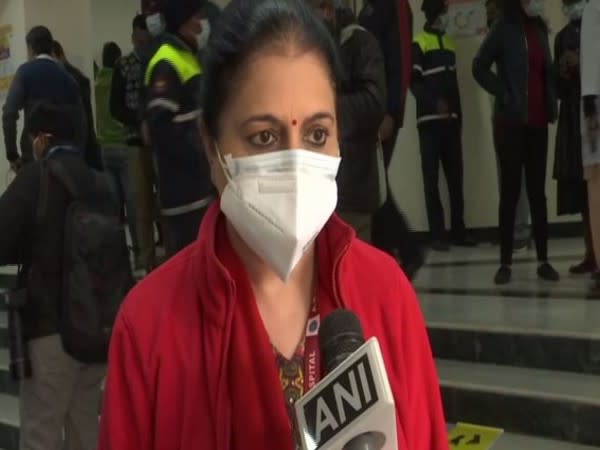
x=429 y=42
x=185 y=63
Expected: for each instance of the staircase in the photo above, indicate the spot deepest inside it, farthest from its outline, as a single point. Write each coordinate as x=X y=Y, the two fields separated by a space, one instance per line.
x=526 y=357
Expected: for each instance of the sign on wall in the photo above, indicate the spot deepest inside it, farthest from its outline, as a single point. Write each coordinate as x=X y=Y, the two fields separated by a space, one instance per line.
x=467 y=18
x=7 y=69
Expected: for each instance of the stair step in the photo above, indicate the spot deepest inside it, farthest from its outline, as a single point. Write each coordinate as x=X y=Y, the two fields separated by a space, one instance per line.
x=551 y=404
x=9 y=421
x=556 y=334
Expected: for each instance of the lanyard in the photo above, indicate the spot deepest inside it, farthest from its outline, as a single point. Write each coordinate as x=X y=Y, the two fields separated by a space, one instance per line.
x=312 y=356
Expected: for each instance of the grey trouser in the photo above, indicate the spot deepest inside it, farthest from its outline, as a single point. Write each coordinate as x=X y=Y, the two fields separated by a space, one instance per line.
x=362 y=224
x=60 y=403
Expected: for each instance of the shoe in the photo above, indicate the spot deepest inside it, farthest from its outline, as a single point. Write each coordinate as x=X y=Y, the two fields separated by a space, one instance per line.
x=465 y=241
x=503 y=275
x=547 y=272
x=440 y=246
x=585 y=266
x=521 y=245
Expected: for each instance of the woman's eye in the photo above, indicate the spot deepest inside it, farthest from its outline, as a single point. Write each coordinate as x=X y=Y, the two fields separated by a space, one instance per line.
x=263 y=138
x=318 y=137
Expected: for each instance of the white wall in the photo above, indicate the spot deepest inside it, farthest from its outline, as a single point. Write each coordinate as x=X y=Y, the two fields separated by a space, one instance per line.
x=481 y=192
x=12 y=12
x=111 y=21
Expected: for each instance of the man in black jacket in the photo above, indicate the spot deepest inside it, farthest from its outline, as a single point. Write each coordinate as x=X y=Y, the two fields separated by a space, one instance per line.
x=91 y=152
x=361 y=108
x=439 y=116
x=47 y=405
x=171 y=113
x=41 y=78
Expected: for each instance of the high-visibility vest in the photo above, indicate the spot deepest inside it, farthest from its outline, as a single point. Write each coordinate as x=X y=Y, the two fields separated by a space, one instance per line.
x=184 y=62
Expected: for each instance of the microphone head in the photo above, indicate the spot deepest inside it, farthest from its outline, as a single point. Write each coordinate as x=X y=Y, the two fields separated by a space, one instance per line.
x=341 y=334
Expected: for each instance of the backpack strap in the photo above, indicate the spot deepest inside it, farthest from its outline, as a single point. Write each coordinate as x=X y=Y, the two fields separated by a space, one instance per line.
x=59 y=171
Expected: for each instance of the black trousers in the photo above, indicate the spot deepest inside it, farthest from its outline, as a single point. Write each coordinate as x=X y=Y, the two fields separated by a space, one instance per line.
x=441 y=142
x=182 y=230
x=390 y=231
x=522 y=147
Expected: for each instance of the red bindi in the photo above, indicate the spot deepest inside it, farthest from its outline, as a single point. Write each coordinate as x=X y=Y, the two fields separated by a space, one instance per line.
x=294 y=122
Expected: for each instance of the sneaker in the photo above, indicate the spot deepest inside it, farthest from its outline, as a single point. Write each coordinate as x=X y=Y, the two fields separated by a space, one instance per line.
x=440 y=246
x=547 y=272
x=584 y=267
x=465 y=241
x=503 y=275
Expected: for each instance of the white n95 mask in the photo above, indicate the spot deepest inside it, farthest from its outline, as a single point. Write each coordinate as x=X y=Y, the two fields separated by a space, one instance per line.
x=279 y=202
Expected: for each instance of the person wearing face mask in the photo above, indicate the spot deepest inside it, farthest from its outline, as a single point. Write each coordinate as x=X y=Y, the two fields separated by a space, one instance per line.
x=524 y=89
x=568 y=166
x=172 y=80
x=439 y=118
x=213 y=349
x=35 y=240
x=361 y=104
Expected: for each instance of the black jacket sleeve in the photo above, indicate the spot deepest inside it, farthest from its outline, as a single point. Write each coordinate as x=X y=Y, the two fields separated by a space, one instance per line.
x=167 y=125
x=485 y=58
x=423 y=96
x=15 y=101
x=118 y=105
x=361 y=102
x=17 y=206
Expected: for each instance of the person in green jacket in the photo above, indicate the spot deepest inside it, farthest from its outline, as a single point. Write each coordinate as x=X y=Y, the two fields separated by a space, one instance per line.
x=112 y=137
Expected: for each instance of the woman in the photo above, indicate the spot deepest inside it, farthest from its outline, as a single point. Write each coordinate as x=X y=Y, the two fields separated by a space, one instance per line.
x=203 y=348
x=525 y=102
x=568 y=166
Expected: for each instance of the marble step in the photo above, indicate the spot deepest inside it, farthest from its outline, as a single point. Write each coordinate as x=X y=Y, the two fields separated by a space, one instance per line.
x=556 y=334
x=550 y=404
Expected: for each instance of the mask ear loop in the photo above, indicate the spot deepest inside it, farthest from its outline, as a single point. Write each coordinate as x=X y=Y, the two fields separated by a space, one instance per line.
x=223 y=164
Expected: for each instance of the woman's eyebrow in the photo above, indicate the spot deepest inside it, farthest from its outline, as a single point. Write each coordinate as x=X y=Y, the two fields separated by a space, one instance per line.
x=270 y=118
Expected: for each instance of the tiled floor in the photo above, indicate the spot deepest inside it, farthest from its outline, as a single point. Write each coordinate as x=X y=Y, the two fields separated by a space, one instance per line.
x=457 y=294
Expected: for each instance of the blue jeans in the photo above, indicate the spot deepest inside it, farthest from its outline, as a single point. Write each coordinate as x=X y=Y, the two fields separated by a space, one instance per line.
x=116 y=166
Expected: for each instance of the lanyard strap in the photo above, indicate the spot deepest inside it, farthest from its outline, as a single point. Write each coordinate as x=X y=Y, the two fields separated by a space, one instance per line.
x=312 y=356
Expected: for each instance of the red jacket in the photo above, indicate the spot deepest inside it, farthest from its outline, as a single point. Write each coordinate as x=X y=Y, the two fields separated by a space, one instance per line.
x=191 y=366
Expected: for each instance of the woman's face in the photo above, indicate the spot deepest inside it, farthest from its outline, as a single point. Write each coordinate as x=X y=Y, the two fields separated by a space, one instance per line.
x=281 y=102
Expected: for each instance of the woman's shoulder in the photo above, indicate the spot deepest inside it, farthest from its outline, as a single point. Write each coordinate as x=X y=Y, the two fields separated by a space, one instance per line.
x=373 y=281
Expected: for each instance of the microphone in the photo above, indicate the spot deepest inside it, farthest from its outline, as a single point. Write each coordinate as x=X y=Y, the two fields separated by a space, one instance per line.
x=352 y=408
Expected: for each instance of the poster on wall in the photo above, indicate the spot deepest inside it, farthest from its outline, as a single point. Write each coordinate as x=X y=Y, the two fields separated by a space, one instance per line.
x=467 y=18
x=7 y=69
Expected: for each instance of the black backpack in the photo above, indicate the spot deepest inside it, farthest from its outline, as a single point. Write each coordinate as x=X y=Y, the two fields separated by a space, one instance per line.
x=95 y=262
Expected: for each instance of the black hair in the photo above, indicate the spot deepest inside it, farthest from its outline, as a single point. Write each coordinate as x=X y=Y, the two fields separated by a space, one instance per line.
x=57 y=49
x=52 y=118
x=249 y=26
x=110 y=54
x=139 y=23
x=39 y=39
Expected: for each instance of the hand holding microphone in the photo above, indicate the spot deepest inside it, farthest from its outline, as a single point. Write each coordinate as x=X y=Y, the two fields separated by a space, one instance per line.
x=352 y=408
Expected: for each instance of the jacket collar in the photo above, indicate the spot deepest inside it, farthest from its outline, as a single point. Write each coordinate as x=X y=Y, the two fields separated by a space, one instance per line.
x=177 y=42
x=332 y=244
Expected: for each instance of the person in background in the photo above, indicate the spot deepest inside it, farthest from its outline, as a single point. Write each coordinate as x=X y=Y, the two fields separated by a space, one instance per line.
x=439 y=119
x=172 y=80
x=390 y=21
x=210 y=348
x=590 y=91
x=568 y=167
x=59 y=402
x=112 y=136
x=525 y=102
x=42 y=78
x=361 y=106
x=125 y=104
x=91 y=148
x=522 y=235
